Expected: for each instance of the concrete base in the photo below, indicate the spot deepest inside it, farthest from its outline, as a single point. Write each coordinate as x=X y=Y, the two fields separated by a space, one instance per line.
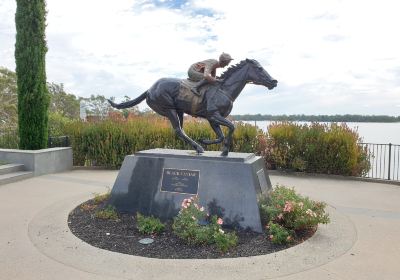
x=226 y=186
x=40 y=162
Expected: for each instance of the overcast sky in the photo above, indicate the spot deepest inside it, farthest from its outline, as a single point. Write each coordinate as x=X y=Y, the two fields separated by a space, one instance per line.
x=329 y=56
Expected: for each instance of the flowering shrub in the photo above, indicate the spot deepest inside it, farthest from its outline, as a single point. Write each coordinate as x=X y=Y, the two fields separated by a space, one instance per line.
x=287 y=210
x=195 y=226
x=278 y=234
x=148 y=225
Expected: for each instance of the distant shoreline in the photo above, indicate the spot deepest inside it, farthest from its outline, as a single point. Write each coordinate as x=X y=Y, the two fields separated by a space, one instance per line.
x=318 y=118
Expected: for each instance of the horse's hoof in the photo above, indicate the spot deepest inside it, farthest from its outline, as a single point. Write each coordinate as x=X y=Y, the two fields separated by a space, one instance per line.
x=200 y=150
x=224 y=153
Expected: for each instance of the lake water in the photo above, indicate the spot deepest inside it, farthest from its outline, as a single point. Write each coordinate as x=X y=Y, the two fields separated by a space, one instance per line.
x=381 y=133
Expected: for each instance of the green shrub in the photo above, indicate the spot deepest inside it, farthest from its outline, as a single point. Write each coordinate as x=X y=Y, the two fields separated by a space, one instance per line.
x=106 y=143
x=57 y=124
x=148 y=225
x=225 y=241
x=317 y=148
x=195 y=226
x=279 y=234
x=108 y=213
x=99 y=198
x=289 y=210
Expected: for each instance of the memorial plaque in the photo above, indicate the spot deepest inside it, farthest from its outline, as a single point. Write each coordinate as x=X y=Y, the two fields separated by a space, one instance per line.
x=180 y=181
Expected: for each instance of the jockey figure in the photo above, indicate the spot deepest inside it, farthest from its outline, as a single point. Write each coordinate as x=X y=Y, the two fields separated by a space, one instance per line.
x=204 y=72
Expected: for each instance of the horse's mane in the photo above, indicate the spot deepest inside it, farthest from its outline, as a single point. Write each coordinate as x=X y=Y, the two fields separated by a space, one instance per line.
x=232 y=69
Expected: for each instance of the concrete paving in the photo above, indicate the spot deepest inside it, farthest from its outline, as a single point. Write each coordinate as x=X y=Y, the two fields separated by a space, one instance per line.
x=360 y=243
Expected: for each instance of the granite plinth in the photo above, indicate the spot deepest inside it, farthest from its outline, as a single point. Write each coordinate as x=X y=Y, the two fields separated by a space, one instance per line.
x=226 y=186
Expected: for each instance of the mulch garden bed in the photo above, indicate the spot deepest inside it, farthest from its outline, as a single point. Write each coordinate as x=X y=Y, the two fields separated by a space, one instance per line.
x=122 y=236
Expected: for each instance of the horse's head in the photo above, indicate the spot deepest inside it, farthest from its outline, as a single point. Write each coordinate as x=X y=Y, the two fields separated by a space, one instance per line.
x=259 y=76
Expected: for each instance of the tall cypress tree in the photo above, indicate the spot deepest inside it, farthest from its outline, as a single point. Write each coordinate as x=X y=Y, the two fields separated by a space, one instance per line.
x=30 y=53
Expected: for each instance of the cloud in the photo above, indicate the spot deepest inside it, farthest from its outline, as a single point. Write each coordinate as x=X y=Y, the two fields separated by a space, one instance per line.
x=329 y=56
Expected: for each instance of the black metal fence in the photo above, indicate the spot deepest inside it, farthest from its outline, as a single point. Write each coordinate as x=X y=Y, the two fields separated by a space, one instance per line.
x=384 y=160
x=58 y=141
x=9 y=139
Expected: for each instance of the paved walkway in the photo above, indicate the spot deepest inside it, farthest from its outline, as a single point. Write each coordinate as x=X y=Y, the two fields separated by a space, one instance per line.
x=361 y=243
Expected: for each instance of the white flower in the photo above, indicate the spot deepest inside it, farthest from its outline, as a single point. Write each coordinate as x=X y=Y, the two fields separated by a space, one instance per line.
x=221 y=231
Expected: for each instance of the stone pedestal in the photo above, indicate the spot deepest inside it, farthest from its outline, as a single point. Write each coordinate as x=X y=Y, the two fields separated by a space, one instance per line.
x=154 y=182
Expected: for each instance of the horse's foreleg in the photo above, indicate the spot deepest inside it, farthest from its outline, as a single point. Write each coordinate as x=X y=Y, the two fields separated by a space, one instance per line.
x=172 y=115
x=218 y=132
x=219 y=120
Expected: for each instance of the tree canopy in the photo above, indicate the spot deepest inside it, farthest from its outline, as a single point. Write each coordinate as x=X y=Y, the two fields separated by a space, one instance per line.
x=8 y=98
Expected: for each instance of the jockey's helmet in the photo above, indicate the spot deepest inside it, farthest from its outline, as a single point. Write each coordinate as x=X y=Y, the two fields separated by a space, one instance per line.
x=225 y=57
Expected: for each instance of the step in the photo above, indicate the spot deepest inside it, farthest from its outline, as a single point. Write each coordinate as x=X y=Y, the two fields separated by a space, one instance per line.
x=11 y=167
x=15 y=176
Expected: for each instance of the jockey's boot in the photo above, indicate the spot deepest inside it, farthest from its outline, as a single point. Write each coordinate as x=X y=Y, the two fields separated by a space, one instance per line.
x=196 y=88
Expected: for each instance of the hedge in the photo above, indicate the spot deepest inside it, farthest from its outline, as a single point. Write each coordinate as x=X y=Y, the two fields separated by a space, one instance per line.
x=316 y=148
x=106 y=143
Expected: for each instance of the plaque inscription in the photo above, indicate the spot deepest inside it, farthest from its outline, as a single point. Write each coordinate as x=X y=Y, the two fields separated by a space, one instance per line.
x=180 y=181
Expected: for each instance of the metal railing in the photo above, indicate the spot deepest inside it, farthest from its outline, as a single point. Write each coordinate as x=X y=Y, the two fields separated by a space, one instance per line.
x=9 y=139
x=58 y=141
x=384 y=161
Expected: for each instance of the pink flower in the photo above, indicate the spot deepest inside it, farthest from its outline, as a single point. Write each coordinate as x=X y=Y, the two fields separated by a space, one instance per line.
x=288 y=206
x=186 y=203
x=271 y=236
x=280 y=216
x=220 y=221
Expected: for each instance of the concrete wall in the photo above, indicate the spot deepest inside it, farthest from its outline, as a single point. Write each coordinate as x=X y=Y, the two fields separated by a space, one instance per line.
x=40 y=162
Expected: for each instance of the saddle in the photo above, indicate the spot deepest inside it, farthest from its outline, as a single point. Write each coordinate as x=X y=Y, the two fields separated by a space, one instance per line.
x=187 y=84
x=187 y=96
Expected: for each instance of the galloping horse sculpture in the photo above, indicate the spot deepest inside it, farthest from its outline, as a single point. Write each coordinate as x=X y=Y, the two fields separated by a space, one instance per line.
x=168 y=97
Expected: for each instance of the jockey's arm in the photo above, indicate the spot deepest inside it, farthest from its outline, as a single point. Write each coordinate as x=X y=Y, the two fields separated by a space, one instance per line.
x=208 y=70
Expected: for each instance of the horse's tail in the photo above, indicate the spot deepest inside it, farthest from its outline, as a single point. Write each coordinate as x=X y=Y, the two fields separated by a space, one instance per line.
x=129 y=103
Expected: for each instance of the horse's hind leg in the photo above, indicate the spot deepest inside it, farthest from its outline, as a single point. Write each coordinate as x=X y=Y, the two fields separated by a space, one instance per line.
x=218 y=132
x=180 y=116
x=174 y=119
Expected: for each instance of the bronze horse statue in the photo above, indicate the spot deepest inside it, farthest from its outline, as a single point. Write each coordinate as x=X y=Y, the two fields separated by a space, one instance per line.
x=170 y=98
